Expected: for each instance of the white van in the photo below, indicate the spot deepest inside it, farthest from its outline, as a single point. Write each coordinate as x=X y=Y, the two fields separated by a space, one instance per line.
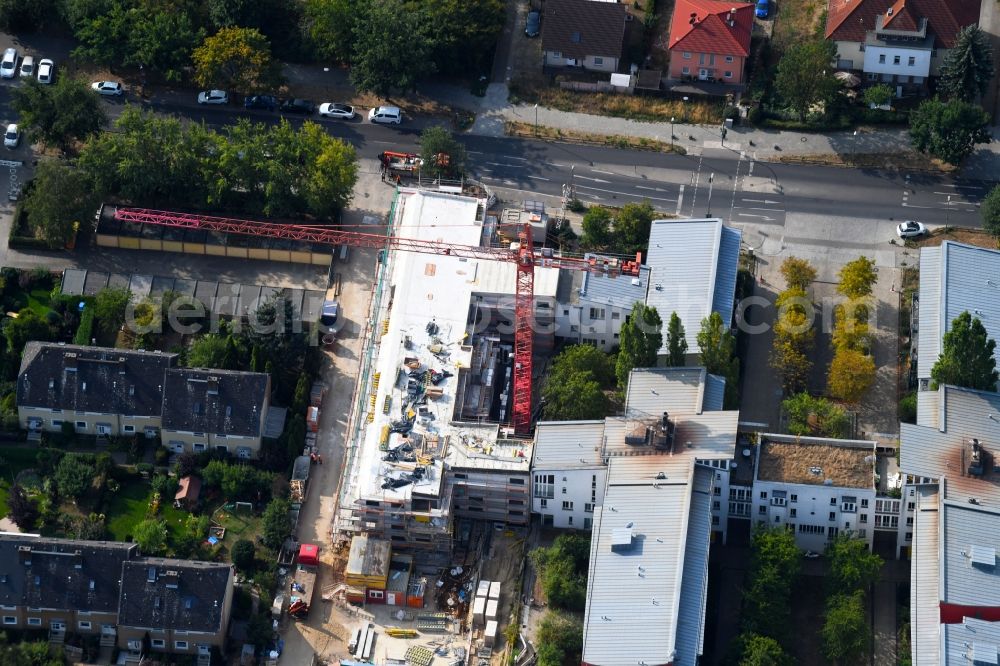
x=385 y=114
x=27 y=67
x=352 y=646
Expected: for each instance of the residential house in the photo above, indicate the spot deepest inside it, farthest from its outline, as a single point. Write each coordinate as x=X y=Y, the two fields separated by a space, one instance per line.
x=62 y=585
x=899 y=42
x=222 y=410
x=710 y=40
x=583 y=33
x=181 y=606
x=693 y=266
x=591 y=307
x=952 y=462
x=101 y=391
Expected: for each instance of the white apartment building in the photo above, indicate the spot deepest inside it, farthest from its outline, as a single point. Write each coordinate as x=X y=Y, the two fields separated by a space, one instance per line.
x=568 y=473
x=591 y=307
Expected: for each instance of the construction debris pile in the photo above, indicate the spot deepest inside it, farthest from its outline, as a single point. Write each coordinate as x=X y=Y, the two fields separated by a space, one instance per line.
x=455 y=587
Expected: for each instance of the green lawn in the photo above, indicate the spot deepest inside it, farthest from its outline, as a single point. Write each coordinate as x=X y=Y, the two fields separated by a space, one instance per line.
x=13 y=460
x=128 y=507
x=240 y=524
x=36 y=300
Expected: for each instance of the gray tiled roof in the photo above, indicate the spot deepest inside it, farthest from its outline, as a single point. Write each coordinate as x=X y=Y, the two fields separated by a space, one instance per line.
x=215 y=401
x=174 y=594
x=581 y=28
x=53 y=579
x=109 y=381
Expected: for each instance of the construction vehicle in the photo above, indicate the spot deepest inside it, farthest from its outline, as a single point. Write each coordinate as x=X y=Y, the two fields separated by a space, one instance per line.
x=303 y=585
x=523 y=254
x=403 y=163
x=300 y=480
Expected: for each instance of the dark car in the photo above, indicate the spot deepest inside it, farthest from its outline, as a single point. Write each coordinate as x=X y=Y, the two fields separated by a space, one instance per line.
x=532 y=25
x=302 y=106
x=261 y=102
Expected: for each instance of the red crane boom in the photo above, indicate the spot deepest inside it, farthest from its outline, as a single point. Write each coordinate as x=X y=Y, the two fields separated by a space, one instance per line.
x=523 y=254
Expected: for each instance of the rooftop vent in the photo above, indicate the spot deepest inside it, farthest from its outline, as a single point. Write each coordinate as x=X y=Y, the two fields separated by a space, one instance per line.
x=621 y=540
x=975 y=458
x=663 y=436
x=151 y=575
x=815 y=471
x=983 y=556
x=889 y=12
x=91 y=585
x=213 y=386
x=984 y=653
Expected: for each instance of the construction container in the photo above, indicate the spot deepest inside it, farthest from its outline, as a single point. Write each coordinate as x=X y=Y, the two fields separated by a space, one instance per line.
x=491 y=609
x=494 y=590
x=316 y=394
x=484 y=588
x=312 y=418
x=479 y=611
x=490 y=635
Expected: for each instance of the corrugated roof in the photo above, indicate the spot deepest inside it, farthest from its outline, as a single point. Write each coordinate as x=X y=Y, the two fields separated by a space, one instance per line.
x=849 y=20
x=965 y=640
x=715 y=393
x=622 y=291
x=693 y=271
x=707 y=26
x=964 y=526
x=924 y=575
x=651 y=390
x=581 y=28
x=565 y=444
x=710 y=435
x=694 y=586
x=955 y=278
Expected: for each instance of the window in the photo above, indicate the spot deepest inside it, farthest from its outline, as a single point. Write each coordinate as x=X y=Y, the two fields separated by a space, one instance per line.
x=565 y=313
x=687 y=55
x=777 y=519
x=567 y=506
x=864 y=504
x=727 y=75
x=588 y=508
x=597 y=313
x=598 y=61
x=587 y=523
x=556 y=54
x=895 y=60
x=199 y=447
x=729 y=58
x=763 y=494
x=616 y=315
x=128 y=428
x=9 y=619
x=564 y=490
x=717 y=491
x=570 y=521
x=84 y=625
x=862 y=533
x=543 y=504
x=909 y=536
x=516 y=481
x=833 y=501
x=831 y=532
x=863 y=518
x=81 y=425
x=376 y=594
x=685 y=70
x=872 y=76
x=716 y=506
x=57 y=423
x=762 y=509
x=545 y=485
x=793 y=498
x=811 y=529
x=881 y=59
x=222 y=448
x=34 y=621
x=910 y=506
x=158 y=643
x=715 y=520
x=183 y=645
x=909 y=521
x=833 y=515
x=793 y=513
x=911 y=61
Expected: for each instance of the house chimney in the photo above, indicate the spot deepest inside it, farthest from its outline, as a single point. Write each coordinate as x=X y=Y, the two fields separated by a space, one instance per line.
x=889 y=12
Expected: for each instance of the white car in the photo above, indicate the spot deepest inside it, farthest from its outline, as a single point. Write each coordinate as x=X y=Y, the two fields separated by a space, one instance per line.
x=810 y=555
x=335 y=110
x=27 y=67
x=910 y=229
x=46 y=70
x=385 y=114
x=12 y=136
x=107 y=87
x=213 y=97
x=8 y=66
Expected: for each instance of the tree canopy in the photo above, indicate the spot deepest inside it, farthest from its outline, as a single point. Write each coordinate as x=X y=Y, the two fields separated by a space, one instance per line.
x=794 y=338
x=948 y=130
x=805 y=75
x=441 y=153
x=989 y=210
x=563 y=570
x=852 y=565
x=677 y=345
x=74 y=476
x=640 y=341
x=235 y=59
x=717 y=352
x=392 y=49
x=846 y=631
x=808 y=415
x=967 y=356
x=596 y=228
x=576 y=384
x=60 y=200
x=878 y=94
x=968 y=66
x=151 y=535
x=757 y=650
x=559 y=639
x=857 y=278
x=851 y=375
x=59 y=113
x=798 y=273
x=275 y=522
x=775 y=561
x=110 y=306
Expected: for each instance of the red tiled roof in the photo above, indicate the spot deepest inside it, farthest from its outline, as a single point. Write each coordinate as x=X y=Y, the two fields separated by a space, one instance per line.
x=711 y=32
x=902 y=17
x=849 y=20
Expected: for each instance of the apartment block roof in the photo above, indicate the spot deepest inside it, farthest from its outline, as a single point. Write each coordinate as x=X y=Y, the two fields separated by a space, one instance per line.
x=581 y=28
x=92 y=379
x=686 y=390
x=849 y=20
x=368 y=557
x=971 y=641
x=179 y=595
x=816 y=461
x=925 y=571
x=711 y=26
x=693 y=266
x=597 y=289
x=568 y=444
x=216 y=401
x=955 y=278
x=970 y=540
x=62 y=573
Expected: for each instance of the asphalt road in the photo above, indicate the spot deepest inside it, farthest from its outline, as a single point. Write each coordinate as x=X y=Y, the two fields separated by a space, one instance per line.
x=720 y=182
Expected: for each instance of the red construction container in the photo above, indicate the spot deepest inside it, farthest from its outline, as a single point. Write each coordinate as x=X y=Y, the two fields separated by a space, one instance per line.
x=312 y=418
x=309 y=554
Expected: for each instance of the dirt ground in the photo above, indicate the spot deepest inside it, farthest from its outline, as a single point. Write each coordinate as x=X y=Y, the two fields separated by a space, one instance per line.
x=976 y=237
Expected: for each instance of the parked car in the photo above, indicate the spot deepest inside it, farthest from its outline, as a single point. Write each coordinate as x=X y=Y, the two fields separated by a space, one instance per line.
x=8 y=66
x=385 y=114
x=266 y=102
x=303 y=106
x=27 y=67
x=112 y=88
x=46 y=70
x=12 y=136
x=910 y=229
x=763 y=8
x=213 y=97
x=532 y=25
x=335 y=110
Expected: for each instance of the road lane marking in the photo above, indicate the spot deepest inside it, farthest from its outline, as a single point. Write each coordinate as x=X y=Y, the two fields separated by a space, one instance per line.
x=596 y=180
x=680 y=199
x=538 y=178
x=610 y=173
x=624 y=194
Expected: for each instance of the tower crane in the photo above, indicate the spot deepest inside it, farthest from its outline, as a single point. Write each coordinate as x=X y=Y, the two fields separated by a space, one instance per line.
x=523 y=254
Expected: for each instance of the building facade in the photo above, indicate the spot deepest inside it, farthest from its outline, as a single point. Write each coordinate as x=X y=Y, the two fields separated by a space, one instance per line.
x=710 y=40
x=583 y=33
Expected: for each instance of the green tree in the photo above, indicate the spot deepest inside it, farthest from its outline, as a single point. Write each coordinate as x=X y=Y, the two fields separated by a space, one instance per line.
x=851 y=375
x=243 y=555
x=632 y=225
x=846 y=631
x=391 y=48
x=328 y=25
x=948 y=130
x=28 y=325
x=878 y=94
x=717 y=353
x=757 y=650
x=677 y=345
x=235 y=59
x=275 y=523
x=850 y=326
x=462 y=35
x=441 y=153
x=151 y=535
x=852 y=565
x=74 y=476
x=989 y=210
x=857 y=278
x=640 y=341
x=60 y=113
x=563 y=571
x=798 y=273
x=330 y=172
x=110 y=306
x=814 y=416
x=559 y=639
x=775 y=561
x=161 y=41
x=26 y=16
x=794 y=337
x=805 y=75
x=968 y=66
x=21 y=508
x=209 y=351
x=574 y=397
x=596 y=229
x=61 y=200
x=966 y=358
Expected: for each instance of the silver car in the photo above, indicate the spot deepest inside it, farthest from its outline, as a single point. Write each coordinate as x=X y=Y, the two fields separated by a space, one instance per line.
x=8 y=66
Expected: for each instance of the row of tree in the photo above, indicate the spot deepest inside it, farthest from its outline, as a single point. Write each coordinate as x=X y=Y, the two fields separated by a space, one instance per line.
x=623 y=231
x=562 y=569
x=794 y=333
x=852 y=370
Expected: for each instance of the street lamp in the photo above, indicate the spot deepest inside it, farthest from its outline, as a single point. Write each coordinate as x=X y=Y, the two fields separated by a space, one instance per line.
x=536 y=120
x=685 y=98
x=711 y=177
x=947 y=215
x=671 y=131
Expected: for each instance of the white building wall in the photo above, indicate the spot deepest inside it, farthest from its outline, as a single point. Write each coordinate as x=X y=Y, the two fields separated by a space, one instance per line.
x=568 y=501
x=810 y=508
x=720 y=498
x=882 y=60
x=574 y=322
